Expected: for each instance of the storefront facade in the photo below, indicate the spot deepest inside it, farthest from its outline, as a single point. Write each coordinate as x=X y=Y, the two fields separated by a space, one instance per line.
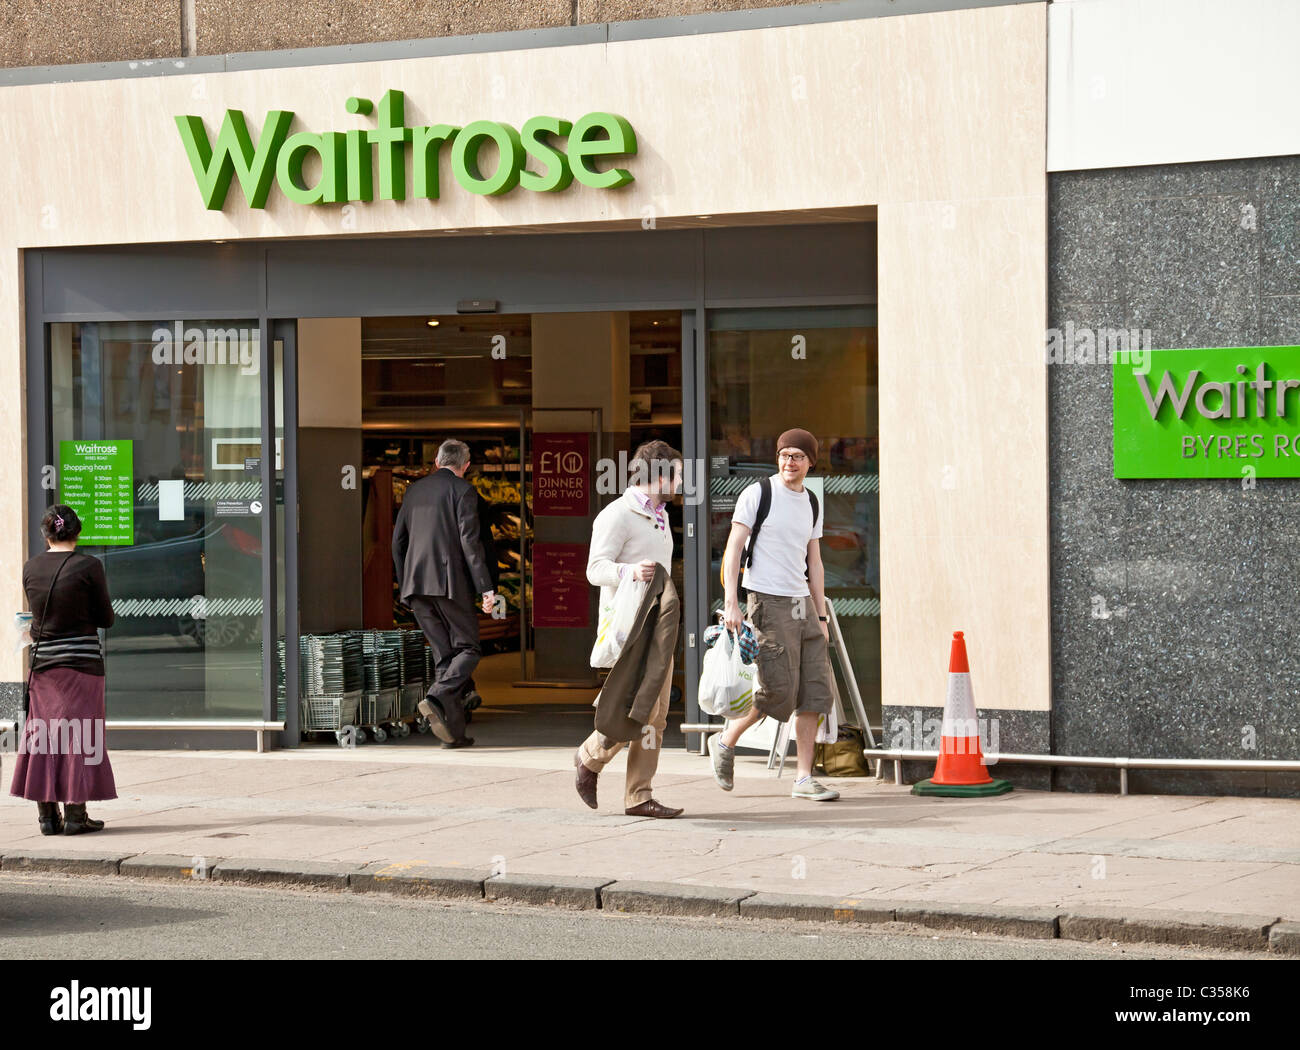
x=192 y=570
x=891 y=169
x=749 y=189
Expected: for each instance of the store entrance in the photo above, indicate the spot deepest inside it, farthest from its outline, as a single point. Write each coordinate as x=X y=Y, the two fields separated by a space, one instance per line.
x=546 y=403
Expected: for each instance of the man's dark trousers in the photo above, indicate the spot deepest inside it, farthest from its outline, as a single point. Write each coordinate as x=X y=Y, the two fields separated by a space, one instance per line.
x=452 y=629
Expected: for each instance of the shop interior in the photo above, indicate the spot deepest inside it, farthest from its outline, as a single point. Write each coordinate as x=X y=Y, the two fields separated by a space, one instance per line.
x=492 y=381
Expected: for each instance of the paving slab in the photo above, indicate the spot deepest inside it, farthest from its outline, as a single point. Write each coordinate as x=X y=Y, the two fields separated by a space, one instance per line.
x=1030 y=878
x=1207 y=819
x=408 y=784
x=488 y=843
x=1275 y=888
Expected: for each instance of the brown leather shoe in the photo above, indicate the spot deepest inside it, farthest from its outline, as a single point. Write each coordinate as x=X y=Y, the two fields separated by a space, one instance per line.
x=652 y=808
x=585 y=782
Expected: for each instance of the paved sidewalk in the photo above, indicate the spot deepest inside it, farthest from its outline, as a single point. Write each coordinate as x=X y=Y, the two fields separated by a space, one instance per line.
x=411 y=803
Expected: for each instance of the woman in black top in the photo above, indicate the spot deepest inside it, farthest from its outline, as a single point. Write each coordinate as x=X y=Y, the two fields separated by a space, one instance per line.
x=62 y=756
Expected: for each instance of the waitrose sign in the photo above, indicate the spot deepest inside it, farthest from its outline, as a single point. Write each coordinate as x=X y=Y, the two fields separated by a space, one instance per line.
x=545 y=155
x=1213 y=413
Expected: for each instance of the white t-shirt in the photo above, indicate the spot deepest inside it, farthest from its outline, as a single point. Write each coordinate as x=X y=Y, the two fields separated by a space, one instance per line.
x=781 y=550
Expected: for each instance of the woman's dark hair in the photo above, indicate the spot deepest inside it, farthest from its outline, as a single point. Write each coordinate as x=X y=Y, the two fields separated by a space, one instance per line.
x=60 y=523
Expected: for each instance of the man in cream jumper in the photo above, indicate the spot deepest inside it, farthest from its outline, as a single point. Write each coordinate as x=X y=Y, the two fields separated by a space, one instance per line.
x=630 y=537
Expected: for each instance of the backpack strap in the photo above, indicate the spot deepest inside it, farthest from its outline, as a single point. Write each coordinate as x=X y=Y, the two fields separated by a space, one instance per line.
x=816 y=509
x=764 y=507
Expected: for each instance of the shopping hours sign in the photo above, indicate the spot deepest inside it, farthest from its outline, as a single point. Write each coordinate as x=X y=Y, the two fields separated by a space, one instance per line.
x=1231 y=412
x=95 y=481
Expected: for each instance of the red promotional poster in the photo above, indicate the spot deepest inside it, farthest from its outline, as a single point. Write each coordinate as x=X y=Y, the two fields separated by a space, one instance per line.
x=561 y=594
x=561 y=474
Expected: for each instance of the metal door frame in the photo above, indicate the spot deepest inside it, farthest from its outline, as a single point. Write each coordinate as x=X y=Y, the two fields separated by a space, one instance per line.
x=286 y=331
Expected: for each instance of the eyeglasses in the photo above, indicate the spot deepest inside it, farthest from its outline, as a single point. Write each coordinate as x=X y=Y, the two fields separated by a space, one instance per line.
x=793 y=457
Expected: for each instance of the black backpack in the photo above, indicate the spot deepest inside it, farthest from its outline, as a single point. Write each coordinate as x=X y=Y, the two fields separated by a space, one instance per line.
x=764 y=507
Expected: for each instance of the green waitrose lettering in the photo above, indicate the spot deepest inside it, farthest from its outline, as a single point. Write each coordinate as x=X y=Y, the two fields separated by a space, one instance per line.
x=559 y=151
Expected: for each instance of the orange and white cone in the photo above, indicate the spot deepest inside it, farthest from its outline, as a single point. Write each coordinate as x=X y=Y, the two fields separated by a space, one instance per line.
x=960 y=770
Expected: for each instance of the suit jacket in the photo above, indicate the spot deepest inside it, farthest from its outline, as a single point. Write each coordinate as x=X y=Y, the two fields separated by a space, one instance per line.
x=632 y=687
x=437 y=549
x=489 y=544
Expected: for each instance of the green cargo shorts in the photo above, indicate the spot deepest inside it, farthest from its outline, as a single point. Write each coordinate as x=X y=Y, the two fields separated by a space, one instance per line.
x=794 y=666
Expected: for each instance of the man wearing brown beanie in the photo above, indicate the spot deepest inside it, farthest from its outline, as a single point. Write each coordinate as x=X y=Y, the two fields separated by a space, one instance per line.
x=781 y=557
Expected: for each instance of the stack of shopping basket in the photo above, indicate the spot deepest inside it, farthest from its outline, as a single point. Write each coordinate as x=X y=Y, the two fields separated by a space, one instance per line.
x=279 y=677
x=414 y=681
x=330 y=685
x=380 y=702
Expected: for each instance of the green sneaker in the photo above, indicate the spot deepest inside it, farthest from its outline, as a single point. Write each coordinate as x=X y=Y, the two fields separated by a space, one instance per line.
x=813 y=791
x=724 y=762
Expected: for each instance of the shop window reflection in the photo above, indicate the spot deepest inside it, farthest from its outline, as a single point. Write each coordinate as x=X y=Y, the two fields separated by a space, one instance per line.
x=187 y=589
x=816 y=368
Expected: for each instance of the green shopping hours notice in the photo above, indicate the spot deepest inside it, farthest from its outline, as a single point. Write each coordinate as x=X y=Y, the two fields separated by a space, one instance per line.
x=95 y=480
x=1221 y=412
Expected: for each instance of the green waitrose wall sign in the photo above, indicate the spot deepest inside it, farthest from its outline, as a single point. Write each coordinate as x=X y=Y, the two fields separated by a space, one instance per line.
x=95 y=479
x=1213 y=413
x=345 y=159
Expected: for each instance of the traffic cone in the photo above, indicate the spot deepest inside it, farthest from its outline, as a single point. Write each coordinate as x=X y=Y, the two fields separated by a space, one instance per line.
x=960 y=771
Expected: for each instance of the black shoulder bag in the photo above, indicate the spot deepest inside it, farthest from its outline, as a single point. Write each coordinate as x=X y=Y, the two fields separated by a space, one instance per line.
x=31 y=669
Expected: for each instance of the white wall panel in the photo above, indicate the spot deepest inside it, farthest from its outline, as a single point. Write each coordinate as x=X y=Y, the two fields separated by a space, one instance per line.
x=1170 y=81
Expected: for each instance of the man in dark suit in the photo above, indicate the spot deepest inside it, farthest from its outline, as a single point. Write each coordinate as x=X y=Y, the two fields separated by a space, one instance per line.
x=486 y=515
x=441 y=567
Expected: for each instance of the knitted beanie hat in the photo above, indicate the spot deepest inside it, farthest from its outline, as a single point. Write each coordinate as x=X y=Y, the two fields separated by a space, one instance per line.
x=799 y=439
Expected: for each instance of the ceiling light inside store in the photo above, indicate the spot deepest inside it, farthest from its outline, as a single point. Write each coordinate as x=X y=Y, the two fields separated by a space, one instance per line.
x=433 y=322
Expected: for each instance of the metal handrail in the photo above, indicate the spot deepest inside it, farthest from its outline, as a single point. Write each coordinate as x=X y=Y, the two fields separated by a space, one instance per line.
x=1123 y=764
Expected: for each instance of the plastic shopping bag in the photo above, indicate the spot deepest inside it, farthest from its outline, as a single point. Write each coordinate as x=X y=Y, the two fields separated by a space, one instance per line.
x=22 y=630
x=828 y=727
x=617 y=618
x=726 y=681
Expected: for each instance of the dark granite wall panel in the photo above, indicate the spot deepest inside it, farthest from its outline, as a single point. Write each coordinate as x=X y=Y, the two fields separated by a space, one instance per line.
x=1174 y=603
x=11 y=701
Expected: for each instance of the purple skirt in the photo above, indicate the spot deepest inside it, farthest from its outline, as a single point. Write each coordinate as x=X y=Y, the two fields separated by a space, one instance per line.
x=63 y=754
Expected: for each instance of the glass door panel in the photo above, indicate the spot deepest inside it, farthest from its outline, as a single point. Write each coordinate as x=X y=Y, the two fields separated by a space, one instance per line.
x=179 y=405
x=816 y=368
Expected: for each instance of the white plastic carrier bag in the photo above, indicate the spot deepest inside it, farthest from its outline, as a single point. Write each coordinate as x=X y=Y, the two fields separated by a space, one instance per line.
x=828 y=727
x=726 y=681
x=617 y=618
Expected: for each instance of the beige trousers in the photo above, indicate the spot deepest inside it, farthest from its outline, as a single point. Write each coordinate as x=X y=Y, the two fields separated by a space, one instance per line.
x=643 y=752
